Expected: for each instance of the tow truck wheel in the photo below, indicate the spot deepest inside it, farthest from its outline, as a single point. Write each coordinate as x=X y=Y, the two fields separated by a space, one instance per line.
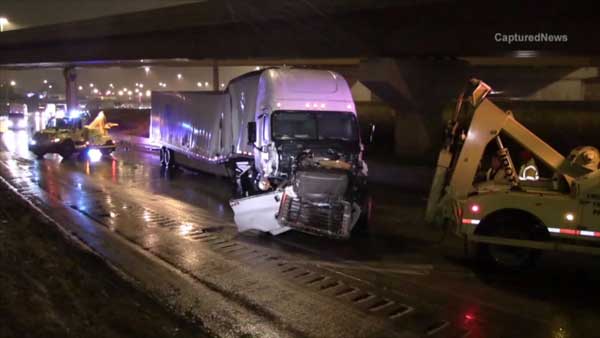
x=67 y=149
x=513 y=225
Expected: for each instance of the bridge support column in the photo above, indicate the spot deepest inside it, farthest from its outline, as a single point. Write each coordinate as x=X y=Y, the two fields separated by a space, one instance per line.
x=418 y=91
x=215 y=77
x=70 y=75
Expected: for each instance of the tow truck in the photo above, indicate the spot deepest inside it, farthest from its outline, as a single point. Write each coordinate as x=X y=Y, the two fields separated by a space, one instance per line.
x=510 y=220
x=67 y=135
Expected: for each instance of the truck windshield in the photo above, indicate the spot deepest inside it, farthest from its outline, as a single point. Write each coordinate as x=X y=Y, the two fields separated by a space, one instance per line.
x=62 y=123
x=314 y=125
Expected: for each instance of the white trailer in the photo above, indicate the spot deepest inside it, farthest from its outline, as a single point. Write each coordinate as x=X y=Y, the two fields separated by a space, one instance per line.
x=266 y=130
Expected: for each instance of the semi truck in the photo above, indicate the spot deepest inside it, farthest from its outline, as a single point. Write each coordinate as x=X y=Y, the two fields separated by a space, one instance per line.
x=289 y=140
x=551 y=203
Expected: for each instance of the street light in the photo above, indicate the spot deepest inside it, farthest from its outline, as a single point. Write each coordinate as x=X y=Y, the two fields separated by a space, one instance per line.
x=3 y=22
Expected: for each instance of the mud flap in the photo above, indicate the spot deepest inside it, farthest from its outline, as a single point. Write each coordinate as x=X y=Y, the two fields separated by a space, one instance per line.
x=258 y=213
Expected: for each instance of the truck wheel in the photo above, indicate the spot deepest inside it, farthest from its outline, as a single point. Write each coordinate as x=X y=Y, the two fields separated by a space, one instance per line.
x=514 y=226
x=170 y=159
x=163 y=157
x=67 y=149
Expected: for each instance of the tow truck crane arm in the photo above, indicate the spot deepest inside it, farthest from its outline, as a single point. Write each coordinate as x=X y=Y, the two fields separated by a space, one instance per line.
x=460 y=157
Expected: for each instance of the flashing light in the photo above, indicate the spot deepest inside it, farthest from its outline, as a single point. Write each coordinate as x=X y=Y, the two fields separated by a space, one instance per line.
x=56 y=140
x=74 y=113
x=94 y=155
x=569 y=217
x=475 y=208
x=30 y=95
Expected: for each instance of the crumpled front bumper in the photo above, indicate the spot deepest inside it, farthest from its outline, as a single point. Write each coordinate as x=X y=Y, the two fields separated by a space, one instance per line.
x=333 y=219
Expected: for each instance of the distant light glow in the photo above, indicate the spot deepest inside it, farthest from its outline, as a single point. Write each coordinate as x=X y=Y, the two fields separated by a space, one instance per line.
x=91 y=85
x=475 y=208
x=50 y=86
x=111 y=85
x=148 y=93
x=13 y=83
x=120 y=93
x=206 y=84
x=147 y=69
x=199 y=84
x=95 y=91
x=80 y=87
x=45 y=81
x=179 y=76
x=94 y=155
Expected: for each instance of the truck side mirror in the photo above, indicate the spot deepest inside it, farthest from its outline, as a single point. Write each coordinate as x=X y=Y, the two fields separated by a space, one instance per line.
x=251 y=132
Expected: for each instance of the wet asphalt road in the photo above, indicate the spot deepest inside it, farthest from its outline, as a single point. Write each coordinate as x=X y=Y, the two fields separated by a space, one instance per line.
x=402 y=259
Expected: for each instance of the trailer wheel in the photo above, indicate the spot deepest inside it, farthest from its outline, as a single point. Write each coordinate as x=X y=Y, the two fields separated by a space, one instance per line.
x=67 y=149
x=170 y=159
x=512 y=224
x=163 y=161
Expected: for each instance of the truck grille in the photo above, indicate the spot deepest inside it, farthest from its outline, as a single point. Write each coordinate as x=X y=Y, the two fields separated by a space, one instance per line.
x=329 y=219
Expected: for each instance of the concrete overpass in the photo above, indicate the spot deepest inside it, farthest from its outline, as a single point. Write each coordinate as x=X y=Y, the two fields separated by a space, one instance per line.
x=413 y=54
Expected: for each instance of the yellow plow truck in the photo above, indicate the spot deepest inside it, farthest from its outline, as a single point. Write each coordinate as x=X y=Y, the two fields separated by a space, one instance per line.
x=512 y=217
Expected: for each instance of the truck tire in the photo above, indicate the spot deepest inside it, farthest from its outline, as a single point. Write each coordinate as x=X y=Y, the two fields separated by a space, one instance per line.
x=67 y=149
x=162 y=156
x=169 y=159
x=513 y=225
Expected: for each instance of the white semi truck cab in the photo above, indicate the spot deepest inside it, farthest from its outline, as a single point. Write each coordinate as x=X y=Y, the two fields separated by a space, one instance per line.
x=307 y=155
x=289 y=138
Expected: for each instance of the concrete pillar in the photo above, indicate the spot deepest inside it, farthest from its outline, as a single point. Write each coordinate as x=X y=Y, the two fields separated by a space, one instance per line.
x=70 y=75
x=215 y=77
x=418 y=90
